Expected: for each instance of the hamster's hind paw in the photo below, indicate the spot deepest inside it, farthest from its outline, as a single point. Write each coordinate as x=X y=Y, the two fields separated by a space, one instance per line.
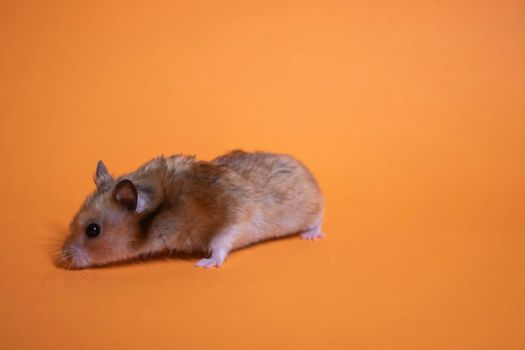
x=312 y=234
x=209 y=263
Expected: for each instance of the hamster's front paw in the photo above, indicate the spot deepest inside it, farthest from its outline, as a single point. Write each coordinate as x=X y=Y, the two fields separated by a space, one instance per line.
x=209 y=263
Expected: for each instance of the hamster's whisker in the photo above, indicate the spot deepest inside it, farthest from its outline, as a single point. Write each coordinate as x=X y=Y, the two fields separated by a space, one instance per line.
x=85 y=275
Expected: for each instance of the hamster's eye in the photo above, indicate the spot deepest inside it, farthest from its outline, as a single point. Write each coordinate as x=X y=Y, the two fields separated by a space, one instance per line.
x=93 y=230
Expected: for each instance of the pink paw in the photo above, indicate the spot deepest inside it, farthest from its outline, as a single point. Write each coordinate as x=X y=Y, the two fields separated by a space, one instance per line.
x=311 y=235
x=209 y=263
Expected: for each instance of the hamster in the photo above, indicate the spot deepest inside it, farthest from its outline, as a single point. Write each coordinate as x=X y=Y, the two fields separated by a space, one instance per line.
x=180 y=204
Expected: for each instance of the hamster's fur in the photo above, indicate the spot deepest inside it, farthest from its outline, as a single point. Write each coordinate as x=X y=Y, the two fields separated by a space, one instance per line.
x=180 y=204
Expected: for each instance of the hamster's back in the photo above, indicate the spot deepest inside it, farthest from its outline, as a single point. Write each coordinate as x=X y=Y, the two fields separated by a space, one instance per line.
x=269 y=171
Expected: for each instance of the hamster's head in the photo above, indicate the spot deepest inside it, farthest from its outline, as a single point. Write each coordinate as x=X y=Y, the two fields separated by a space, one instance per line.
x=106 y=226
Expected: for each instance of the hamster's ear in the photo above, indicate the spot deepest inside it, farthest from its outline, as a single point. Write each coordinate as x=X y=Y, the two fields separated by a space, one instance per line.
x=125 y=194
x=102 y=174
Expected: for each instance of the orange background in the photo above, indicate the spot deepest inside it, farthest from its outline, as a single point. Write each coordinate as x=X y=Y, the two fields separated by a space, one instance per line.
x=411 y=115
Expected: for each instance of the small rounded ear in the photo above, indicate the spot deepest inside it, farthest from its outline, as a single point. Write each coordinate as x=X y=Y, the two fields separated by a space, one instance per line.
x=126 y=194
x=102 y=174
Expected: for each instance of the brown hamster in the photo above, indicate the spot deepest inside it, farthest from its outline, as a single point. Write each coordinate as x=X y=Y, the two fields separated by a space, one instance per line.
x=180 y=204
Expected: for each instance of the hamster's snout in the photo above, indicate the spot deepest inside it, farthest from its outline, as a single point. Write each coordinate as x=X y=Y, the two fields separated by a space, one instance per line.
x=73 y=257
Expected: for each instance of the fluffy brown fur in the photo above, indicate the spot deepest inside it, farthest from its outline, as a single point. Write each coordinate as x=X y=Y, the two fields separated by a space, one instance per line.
x=185 y=205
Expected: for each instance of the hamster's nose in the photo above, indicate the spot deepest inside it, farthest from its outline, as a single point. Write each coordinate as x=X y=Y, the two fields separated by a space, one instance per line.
x=64 y=258
x=73 y=257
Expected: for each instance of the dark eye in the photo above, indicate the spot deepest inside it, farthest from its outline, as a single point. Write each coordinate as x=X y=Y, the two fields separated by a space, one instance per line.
x=93 y=230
